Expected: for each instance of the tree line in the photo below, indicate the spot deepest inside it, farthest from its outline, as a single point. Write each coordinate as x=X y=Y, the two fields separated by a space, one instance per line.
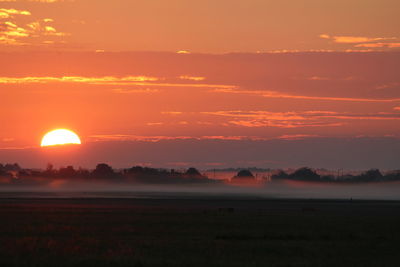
x=104 y=171
x=140 y=174
x=308 y=174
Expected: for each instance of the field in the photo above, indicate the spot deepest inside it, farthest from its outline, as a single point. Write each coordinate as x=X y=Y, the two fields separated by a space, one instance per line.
x=198 y=232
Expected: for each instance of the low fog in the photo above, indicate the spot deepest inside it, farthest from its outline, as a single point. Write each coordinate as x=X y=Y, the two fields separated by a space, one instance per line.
x=64 y=188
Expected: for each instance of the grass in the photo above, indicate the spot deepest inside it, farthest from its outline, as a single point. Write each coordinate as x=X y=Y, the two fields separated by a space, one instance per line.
x=101 y=232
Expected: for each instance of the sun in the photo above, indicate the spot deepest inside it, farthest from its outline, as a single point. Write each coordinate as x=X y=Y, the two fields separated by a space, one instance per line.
x=60 y=137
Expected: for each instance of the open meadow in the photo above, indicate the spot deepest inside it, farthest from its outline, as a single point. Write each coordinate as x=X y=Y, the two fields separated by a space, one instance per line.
x=198 y=232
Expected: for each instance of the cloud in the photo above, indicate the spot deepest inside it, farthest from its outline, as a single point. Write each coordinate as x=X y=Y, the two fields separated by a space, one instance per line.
x=40 y=27
x=14 y=33
x=136 y=91
x=10 y=32
x=275 y=94
x=281 y=124
x=379 y=45
x=354 y=39
x=387 y=85
x=139 y=138
x=125 y=137
x=49 y=1
x=318 y=78
x=363 y=42
x=297 y=119
x=38 y=1
x=297 y=51
x=154 y=123
x=11 y=13
x=270 y=119
x=297 y=136
x=324 y=36
x=172 y=112
x=78 y=79
x=192 y=78
x=111 y=80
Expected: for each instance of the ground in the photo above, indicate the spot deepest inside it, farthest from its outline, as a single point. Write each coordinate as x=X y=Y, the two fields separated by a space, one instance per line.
x=198 y=232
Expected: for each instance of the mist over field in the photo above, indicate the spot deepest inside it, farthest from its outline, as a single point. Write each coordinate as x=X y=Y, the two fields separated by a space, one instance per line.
x=285 y=189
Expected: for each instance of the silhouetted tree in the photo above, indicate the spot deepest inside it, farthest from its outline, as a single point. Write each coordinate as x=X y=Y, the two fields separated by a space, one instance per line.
x=103 y=171
x=83 y=173
x=68 y=172
x=280 y=175
x=12 y=167
x=246 y=174
x=50 y=171
x=192 y=172
x=306 y=174
x=371 y=175
x=392 y=176
x=2 y=171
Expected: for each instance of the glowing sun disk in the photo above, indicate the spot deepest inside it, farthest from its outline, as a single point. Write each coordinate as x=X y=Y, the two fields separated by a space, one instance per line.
x=60 y=137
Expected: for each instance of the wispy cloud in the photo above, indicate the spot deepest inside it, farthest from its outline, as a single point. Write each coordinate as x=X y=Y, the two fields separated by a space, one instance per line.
x=379 y=45
x=297 y=136
x=112 y=80
x=78 y=79
x=275 y=94
x=38 y=1
x=318 y=78
x=297 y=119
x=282 y=123
x=364 y=42
x=124 y=137
x=154 y=123
x=192 y=78
x=171 y=112
x=136 y=91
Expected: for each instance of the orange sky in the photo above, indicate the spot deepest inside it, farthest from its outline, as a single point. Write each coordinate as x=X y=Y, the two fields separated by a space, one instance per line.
x=206 y=26
x=247 y=71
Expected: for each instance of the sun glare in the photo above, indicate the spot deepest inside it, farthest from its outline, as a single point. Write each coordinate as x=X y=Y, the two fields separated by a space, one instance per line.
x=60 y=137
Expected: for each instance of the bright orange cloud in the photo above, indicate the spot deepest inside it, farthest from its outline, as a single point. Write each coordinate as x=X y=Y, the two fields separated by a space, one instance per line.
x=11 y=12
x=192 y=78
x=13 y=32
x=172 y=112
x=354 y=39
